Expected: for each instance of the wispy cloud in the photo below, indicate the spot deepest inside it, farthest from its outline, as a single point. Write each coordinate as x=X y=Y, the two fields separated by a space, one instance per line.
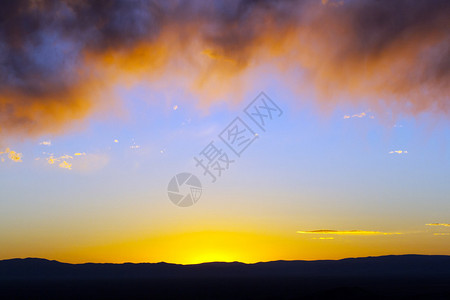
x=46 y=143
x=360 y=115
x=79 y=161
x=61 y=161
x=347 y=232
x=438 y=224
x=91 y=162
x=65 y=165
x=12 y=155
x=398 y=152
x=323 y=238
x=441 y=233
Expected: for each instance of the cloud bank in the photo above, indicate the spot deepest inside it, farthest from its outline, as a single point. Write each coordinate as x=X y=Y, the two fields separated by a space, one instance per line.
x=56 y=56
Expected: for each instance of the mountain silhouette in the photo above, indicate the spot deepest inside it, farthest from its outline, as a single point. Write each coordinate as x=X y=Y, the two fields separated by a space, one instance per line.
x=384 y=277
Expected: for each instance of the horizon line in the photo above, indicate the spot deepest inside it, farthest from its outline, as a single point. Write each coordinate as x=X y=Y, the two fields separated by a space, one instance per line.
x=223 y=262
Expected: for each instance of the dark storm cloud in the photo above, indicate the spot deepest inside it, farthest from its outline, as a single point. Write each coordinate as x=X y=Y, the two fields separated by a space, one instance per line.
x=397 y=50
x=41 y=41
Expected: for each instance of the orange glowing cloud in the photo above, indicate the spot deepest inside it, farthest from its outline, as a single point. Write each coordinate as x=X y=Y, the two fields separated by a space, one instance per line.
x=392 y=53
x=80 y=161
x=12 y=155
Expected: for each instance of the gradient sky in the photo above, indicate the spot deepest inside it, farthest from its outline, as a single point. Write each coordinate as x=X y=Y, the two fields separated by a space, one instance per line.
x=348 y=170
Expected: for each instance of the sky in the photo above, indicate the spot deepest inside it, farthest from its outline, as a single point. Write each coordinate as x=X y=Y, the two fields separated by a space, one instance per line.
x=102 y=105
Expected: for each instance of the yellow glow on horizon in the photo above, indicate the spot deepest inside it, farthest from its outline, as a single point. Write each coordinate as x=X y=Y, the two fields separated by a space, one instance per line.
x=194 y=247
x=213 y=246
x=189 y=248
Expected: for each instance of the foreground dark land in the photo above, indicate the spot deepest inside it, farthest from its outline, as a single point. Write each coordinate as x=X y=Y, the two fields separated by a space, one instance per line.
x=387 y=277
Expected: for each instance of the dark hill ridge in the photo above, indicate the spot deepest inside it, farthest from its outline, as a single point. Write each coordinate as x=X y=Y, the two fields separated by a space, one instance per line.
x=384 y=277
x=383 y=266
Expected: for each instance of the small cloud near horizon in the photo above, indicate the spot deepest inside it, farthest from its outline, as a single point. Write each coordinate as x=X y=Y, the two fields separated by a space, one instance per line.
x=347 y=232
x=438 y=224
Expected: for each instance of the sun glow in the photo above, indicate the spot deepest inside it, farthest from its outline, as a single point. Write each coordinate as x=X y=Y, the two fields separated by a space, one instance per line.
x=213 y=246
x=184 y=248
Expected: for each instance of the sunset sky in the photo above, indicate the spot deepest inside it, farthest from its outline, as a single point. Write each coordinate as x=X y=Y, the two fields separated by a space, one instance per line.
x=102 y=104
